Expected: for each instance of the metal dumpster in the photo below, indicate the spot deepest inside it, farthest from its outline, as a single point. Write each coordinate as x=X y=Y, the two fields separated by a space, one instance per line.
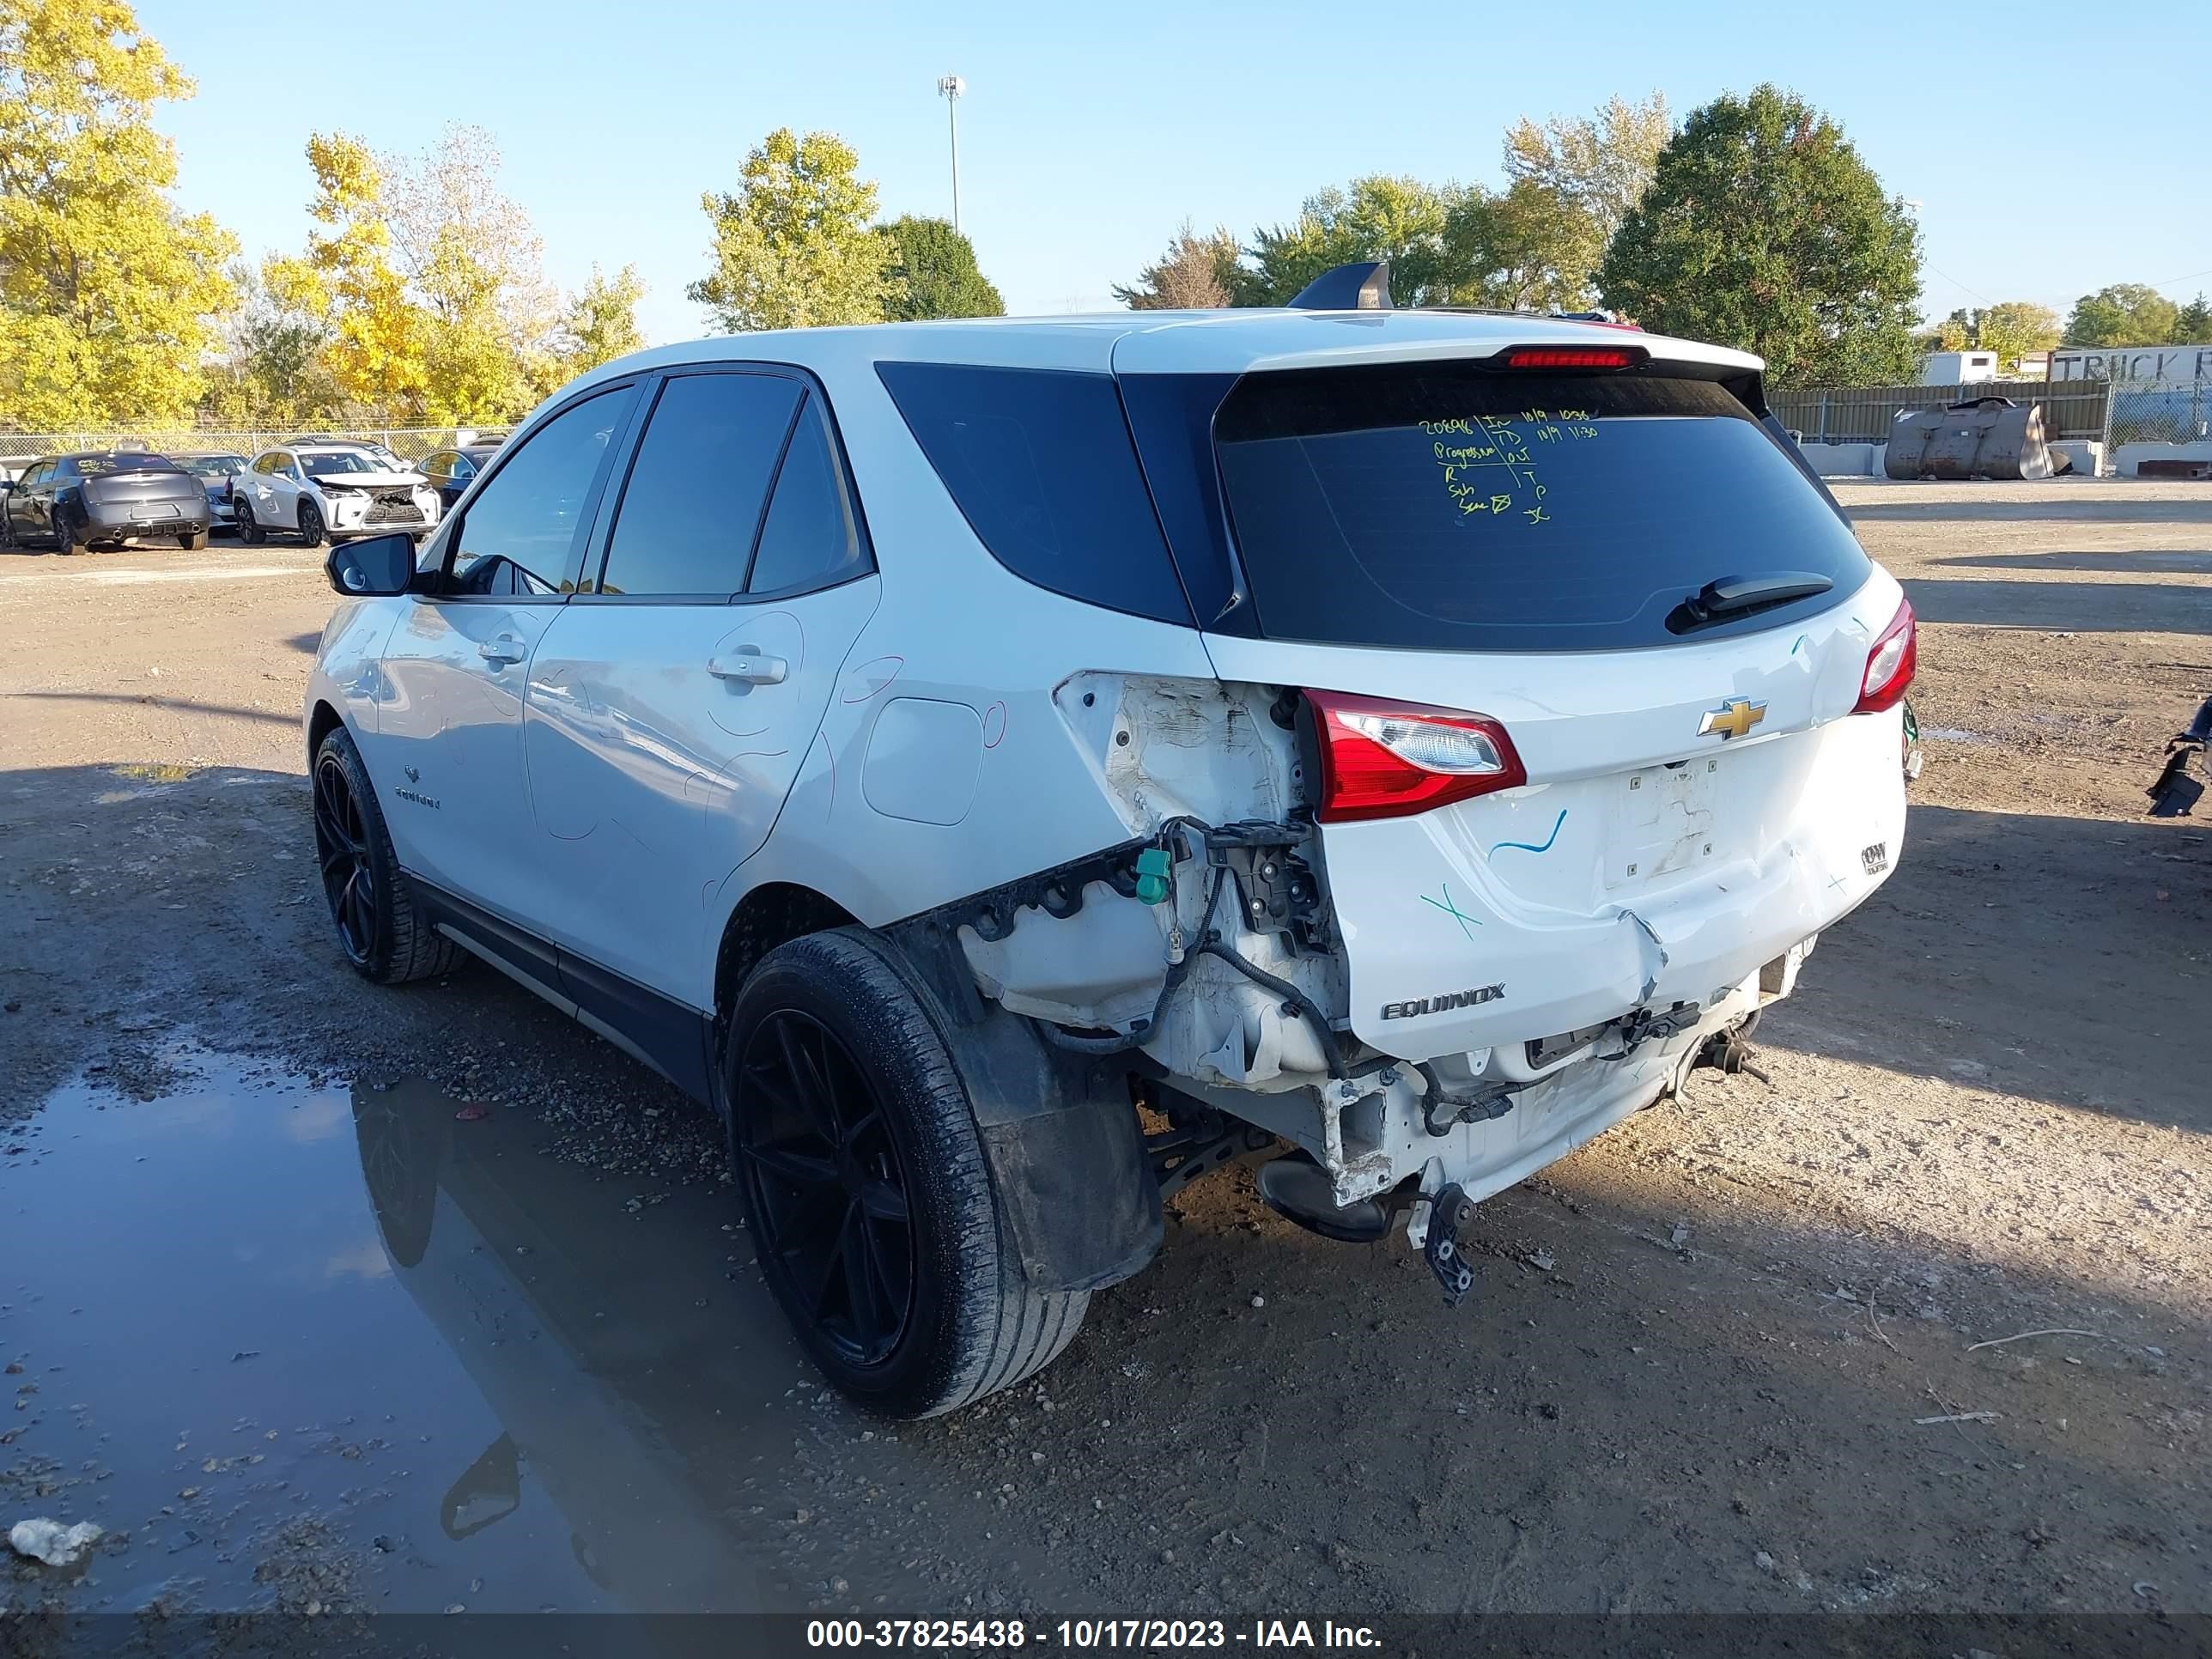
x=1981 y=438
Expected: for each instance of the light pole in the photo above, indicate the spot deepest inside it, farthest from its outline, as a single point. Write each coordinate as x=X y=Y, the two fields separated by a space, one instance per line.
x=951 y=87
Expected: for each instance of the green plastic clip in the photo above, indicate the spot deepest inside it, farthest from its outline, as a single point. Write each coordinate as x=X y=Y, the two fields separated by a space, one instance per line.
x=1153 y=866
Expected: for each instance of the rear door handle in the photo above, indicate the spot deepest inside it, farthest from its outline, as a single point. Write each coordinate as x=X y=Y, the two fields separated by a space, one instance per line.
x=750 y=667
x=502 y=648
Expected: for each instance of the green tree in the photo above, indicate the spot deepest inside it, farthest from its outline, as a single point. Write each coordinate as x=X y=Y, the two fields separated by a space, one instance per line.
x=2010 y=328
x=2193 y=324
x=109 y=296
x=1196 y=273
x=793 y=245
x=1383 y=216
x=1599 y=168
x=1528 y=250
x=601 y=323
x=2124 y=314
x=272 y=370
x=934 y=273
x=1763 y=229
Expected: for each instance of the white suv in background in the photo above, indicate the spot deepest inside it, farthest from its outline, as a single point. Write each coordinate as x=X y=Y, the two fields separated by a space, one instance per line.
x=1412 y=741
x=333 y=491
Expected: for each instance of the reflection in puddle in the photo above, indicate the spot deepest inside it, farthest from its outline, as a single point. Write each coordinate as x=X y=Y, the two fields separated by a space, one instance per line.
x=481 y=1380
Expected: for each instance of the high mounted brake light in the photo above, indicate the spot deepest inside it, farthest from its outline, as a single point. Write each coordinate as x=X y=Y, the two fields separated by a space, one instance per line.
x=1381 y=759
x=1890 y=664
x=1575 y=356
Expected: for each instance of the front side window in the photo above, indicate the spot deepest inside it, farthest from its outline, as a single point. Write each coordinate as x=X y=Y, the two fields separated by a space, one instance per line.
x=692 y=506
x=812 y=538
x=522 y=526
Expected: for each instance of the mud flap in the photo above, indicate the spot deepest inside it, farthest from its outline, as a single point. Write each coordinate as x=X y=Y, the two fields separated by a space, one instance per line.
x=1059 y=1130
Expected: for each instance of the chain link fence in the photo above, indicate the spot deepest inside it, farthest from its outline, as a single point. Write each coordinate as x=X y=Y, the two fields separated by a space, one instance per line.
x=2167 y=413
x=410 y=442
x=1864 y=414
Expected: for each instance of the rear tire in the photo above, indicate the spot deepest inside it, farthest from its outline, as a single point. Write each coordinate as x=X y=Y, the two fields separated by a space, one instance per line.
x=865 y=1187
x=66 y=538
x=249 y=527
x=384 y=939
x=195 y=543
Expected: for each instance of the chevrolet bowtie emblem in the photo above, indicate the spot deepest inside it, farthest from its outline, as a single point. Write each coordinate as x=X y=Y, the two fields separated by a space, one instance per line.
x=1732 y=719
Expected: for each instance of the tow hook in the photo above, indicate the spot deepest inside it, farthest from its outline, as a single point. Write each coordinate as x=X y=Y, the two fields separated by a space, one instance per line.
x=1449 y=1212
x=1728 y=1053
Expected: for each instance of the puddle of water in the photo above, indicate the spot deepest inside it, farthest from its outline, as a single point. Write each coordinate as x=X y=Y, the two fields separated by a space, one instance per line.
x=271 y=1331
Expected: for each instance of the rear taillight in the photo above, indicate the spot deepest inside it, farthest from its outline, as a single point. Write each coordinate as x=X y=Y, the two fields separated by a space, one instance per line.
x=1889 y=665
x=1386 y=760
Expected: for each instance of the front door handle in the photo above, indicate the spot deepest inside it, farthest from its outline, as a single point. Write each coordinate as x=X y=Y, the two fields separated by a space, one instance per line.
x=502 y=648
x=750 y=667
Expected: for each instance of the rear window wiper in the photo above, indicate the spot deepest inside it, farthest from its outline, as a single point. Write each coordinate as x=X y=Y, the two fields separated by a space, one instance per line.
x=1727 y=597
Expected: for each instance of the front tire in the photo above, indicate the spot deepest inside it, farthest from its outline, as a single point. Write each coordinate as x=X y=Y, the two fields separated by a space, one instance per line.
x=384 y=939
x=867 y=1190
x=311 y=524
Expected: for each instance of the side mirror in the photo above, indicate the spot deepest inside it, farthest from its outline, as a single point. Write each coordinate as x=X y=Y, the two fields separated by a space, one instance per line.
x=375 y=567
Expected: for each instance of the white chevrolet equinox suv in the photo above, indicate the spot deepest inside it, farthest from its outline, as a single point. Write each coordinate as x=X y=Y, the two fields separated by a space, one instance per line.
x=1010 y=768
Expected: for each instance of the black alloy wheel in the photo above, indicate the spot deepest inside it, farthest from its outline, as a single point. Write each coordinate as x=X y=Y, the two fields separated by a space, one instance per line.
x=343 y=850
x=825 y=1186
x=310 y=523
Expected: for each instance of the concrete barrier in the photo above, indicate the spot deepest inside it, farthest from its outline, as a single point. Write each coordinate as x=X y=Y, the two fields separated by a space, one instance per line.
x=2087 y=454
x=1845 y=460
x=2128 y=457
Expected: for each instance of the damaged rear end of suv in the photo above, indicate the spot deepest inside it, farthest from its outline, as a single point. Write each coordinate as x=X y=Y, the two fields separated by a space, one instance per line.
x=1401 y=744
x=1553 y=715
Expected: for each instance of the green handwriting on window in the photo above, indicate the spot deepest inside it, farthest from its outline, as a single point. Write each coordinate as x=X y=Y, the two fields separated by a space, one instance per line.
x=1486 y=460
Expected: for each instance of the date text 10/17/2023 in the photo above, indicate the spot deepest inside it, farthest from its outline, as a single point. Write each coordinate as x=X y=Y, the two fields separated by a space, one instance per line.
x=1085 y=1634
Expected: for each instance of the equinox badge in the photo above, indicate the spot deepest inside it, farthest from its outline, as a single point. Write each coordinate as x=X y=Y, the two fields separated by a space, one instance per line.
x=1732 y=719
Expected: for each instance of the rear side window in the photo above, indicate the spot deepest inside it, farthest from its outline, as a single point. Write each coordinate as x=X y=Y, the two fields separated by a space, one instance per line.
x=810 y=538
x=693 y=503
x=1041 y=463
x=1458 y=508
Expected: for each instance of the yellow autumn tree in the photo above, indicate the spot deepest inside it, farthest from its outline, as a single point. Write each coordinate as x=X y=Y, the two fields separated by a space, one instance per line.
x=109 y=295
x=347 y=279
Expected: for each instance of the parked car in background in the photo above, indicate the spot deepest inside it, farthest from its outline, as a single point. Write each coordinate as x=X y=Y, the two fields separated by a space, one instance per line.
x=384 y=452
x=332 y=490
x=1424 y=738
x=217 y=471
x=450 y=470
x=74 y=504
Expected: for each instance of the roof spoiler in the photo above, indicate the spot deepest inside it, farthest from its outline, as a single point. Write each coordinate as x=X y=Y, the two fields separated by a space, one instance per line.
x=1362 y=286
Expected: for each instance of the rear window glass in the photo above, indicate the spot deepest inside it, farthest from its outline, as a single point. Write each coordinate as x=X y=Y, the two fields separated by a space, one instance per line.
x=94 y=466
x=1041 y=463
x=1456 y=509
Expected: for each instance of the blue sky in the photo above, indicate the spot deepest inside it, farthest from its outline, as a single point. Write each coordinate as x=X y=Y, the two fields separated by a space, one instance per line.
x=1085 y=139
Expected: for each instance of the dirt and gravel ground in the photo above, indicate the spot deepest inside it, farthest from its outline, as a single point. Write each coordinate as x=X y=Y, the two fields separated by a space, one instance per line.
x=297 y=1334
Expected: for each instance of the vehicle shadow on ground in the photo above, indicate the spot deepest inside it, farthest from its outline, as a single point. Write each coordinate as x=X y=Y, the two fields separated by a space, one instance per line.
x=2086 y=950
x=229 y=711
x=2075 y=607
x=2147 y=561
